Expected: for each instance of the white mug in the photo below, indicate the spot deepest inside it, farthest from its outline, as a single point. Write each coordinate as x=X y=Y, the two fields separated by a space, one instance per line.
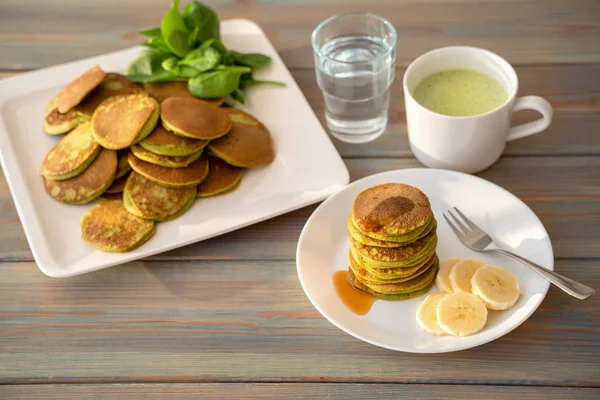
x=472 y=143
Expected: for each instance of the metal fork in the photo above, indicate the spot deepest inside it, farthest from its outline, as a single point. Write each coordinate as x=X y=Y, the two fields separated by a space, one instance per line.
x=476 y=239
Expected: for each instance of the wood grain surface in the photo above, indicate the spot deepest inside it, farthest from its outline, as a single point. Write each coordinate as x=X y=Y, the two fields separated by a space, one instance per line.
x=227 y=318
x=250 y=321
x=234 y=391
x=41 y=32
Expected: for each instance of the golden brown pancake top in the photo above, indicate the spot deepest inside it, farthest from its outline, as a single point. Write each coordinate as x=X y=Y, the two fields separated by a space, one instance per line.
x=89 y=183
x=113 y=84
x=194 y=117
x=220 y=176
x=161 y=137
x=118 y=120
x=247 y=144
x=193 y=174
x=74 y=92
x=56 y=119
x=110 y=227
x=163 y=90
x=73 y=150
x=155 y=201
x=391 y=209
x=118 y=185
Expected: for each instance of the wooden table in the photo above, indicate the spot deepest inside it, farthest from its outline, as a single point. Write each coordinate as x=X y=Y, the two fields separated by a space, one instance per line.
x=227 y=318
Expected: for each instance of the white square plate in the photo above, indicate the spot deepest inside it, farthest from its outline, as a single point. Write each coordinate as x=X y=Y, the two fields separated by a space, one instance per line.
x=307 y=167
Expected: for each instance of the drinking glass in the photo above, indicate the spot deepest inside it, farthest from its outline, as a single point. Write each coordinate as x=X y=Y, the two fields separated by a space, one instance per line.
x=355 y=57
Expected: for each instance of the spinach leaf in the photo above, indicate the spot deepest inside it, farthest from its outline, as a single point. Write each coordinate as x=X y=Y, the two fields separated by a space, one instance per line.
x=253 y=82
x=247 y=80
x=202 y=20
x=186 y=71
x=252 y=60
x=152 y=32
x=220 y=47
x=217 y=83
x=238 y=95
x=207 y=43
x=202 y=59
x=164 y=76
x=170 y=64
x=174 y=31
x=157 y=43
x=148 y=68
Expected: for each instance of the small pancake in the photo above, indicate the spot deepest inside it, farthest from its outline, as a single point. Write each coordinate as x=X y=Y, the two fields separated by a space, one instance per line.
x=390 y=297
x=118 y=185
x=113 y=84
x=56 y=123
x=417 y=283
x=150 y=200
x=109 y=227
x=87 y=186
x=192 y=175
x=123 y=166
x=391 y=273
x=410 y=237
x=166 y=143
x=194 y=118
x=406 y=237
x=221 y=178
x=131 y=208
x=395 y=256
x=121 y=121
x=364 y=275
x=165 y=161
x=71 y=155
x=390 y=209
x=163 y=90
x=74 y=92
x=248 y=144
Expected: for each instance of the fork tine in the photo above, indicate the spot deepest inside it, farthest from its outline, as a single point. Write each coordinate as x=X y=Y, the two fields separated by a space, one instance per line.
x=471 y=224
x=458 y=233
x=459 y=223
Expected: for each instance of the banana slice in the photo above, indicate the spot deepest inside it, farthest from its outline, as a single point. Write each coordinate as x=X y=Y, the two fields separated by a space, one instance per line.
x=442 y=279
x=427 y=314
x=498 y=288
x=461 y=314
x=461 y=274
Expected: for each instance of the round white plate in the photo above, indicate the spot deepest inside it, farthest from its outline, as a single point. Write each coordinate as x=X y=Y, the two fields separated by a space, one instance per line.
x=323 y=249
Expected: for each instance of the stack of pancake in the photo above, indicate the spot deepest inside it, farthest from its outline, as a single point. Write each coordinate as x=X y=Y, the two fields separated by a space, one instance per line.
x=392 y=232
x=149 y=151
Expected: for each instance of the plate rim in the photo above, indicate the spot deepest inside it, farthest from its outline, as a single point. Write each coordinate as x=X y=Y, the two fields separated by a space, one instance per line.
x=25 y=205
x=395 y=348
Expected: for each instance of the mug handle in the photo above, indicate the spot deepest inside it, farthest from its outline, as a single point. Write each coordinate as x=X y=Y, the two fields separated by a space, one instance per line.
x=531 y=103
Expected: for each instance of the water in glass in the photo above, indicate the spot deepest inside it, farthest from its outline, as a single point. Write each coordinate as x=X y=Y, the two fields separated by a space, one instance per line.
x=355 y=73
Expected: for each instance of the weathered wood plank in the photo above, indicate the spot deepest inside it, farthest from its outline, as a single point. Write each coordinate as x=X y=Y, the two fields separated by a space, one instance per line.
x=290 y=391
x=250 y=321
x=569 y=207
x=37 y=33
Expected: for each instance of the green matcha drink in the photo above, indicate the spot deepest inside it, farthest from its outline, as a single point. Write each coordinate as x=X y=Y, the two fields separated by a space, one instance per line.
x=459 y=92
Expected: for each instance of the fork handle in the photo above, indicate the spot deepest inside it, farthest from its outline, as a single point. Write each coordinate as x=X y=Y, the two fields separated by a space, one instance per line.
x=573 y=288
